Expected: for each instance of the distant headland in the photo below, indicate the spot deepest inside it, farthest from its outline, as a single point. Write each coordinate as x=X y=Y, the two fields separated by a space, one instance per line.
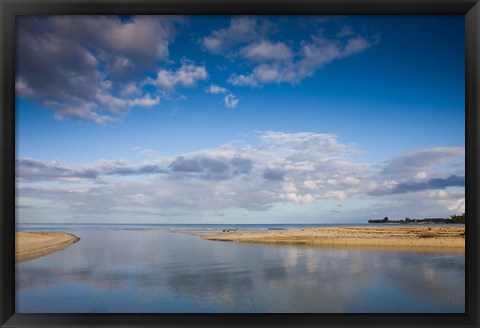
x=458 y=219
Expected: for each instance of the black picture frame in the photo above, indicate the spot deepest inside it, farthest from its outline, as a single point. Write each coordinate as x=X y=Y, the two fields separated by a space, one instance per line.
x=9 y=9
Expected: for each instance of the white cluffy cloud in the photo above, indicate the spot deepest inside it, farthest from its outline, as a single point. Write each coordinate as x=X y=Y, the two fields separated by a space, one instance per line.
x=240 y=31
x=230 y=100
x=215 y=89
x=275 y=62
x=98 y=68
x=265 y=50
x=187 y=75
x=313 y=55
x=89 y=67
x=300 y=169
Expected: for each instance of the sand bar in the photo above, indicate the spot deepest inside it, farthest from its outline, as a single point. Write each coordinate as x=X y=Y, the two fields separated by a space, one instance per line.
x=32 y=245
x=375 y=236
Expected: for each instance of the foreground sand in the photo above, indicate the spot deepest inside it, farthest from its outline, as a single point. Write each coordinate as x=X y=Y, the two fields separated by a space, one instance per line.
x=452 y=237
x=31 y=245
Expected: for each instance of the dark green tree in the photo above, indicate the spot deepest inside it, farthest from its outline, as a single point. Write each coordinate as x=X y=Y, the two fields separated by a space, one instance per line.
x=458 y=218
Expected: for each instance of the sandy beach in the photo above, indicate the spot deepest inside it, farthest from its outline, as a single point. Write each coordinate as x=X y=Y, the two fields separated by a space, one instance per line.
x=452 y=237
x=32 y=245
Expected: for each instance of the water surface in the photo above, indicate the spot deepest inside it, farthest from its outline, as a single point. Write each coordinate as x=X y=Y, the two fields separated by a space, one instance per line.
x=117 y=268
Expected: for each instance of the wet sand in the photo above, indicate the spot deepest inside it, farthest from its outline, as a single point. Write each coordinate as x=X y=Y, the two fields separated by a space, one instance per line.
x=32 y=245
x=452 y=237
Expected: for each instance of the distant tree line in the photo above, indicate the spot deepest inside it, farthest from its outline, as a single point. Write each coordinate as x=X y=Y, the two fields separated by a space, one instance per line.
x=458 y=218
x=453 y=219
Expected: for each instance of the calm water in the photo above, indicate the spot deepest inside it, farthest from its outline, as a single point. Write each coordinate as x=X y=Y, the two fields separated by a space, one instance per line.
x=115 y=268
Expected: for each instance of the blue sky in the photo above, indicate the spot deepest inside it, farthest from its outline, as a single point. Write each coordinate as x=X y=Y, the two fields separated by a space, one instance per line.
x=239 y=119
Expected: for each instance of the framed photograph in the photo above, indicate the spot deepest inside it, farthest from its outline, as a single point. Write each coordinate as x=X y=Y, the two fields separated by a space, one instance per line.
x=209 y=163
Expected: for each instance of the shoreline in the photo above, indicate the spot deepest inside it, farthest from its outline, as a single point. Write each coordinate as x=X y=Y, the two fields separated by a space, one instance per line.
x=426 y=236
x=32 y=245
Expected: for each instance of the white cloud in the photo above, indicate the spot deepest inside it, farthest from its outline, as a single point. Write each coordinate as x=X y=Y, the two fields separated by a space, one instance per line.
x=231 y=101
x=215 y=89
x=241 y=30
x=251 y=38
x=312 y=56
x=85 y=67
x=22 y=88
x=421 y=175
x=130 y=89
x=310 y=184
x=412 y=185
x=145 y=101
x=244 y=80
x=351 y=181
x=282 y=168
x=120 y=38
x=337 y=194
x=428 y=161
x=457 y=206
x=118 y=105
x=81 y=110
x=266 y=50
x=187 y=75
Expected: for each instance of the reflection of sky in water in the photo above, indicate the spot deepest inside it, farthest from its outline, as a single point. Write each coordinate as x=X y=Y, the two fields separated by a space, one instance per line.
x=115 y=270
